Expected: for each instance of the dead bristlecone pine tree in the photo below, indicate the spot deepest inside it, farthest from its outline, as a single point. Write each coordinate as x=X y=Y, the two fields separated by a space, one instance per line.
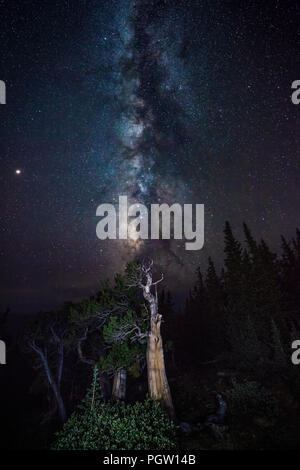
x=157 y=379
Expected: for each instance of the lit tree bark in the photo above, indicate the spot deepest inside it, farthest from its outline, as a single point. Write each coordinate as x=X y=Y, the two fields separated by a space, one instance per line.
x=119 y=385
x=157 y=378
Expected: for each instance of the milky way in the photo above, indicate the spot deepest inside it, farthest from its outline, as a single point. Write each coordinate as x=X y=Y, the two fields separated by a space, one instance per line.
x=149 y=125
x=160 y=100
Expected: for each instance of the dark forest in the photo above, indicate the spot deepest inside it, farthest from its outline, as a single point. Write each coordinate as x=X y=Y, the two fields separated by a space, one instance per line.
x=229 y=382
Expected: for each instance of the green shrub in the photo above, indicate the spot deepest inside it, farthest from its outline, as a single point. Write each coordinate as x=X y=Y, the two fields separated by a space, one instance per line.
x=250 y=399
x=141 y=426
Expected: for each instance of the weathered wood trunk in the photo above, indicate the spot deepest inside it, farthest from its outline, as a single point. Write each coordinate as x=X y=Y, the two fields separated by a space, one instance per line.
x=55 y=385
x=61 y=407
x=57 y=393
x=2 y=353
x=119 y=385
x=157 y=378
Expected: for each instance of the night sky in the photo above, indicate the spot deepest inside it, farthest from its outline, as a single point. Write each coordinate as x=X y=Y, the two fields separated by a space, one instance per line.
x=183 y=101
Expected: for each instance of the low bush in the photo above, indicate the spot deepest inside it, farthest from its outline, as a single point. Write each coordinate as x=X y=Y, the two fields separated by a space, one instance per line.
x=249 y=398
x=107 y=426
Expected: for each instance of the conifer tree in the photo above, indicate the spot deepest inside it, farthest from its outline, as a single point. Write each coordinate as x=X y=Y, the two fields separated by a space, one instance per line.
x=126 y=351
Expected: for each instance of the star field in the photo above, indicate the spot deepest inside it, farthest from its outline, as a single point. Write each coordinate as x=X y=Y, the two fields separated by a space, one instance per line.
x=161 y=100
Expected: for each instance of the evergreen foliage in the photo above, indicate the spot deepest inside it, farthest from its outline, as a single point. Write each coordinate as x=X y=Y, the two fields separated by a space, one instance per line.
x=249 y=398
x=96 y=425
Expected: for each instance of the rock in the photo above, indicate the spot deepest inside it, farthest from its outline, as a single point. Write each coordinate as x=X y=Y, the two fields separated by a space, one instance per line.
x=187 y=428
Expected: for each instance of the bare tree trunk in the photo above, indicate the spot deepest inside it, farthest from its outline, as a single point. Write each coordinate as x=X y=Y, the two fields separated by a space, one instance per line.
x=55 y=386
x=157 y=378
x=56 y=390
x=119 y=385
x=61 y=407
